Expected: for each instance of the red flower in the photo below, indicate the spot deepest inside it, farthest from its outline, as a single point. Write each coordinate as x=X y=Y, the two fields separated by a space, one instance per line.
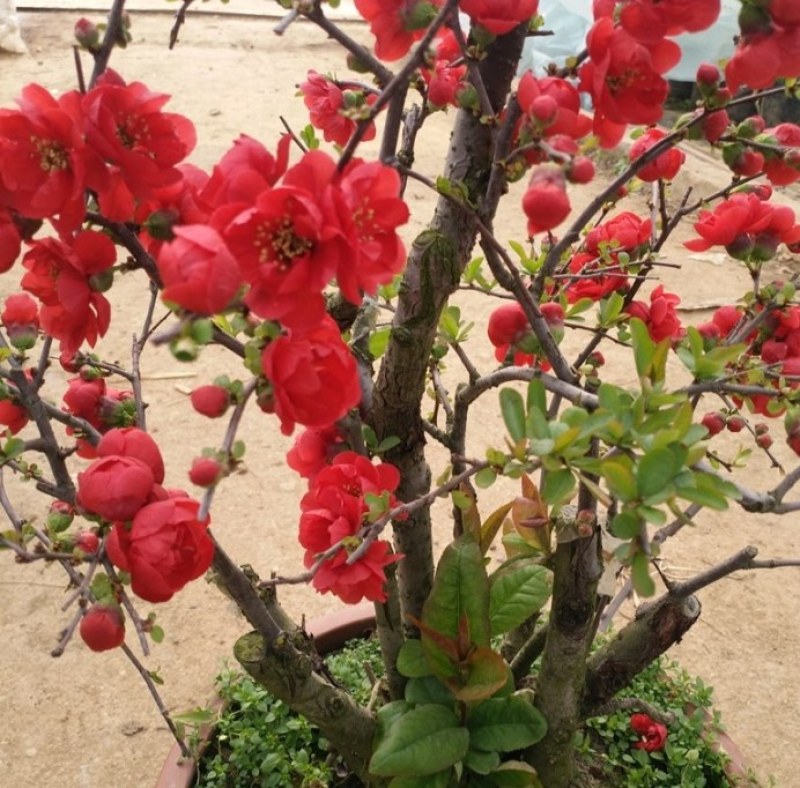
x=103 y=628
x=374 y=210
x=396 y=24
x=748 y=227
x=659 y=316
x=649 y=21
x=335 y=111
x=499 y=16
x=44 y=157
x=211 y=400
x=291 y=243
x=10 y=241
x=245 y=171
x=764 y=56
x=784 y=169
x=115 y=487
x=199 y=272
x=567 y=119
x=125 y=125
x=653 y=735
x=313 y=449
x=20 y=318
x=165 y=548
x=333 y=512
x=545 y=202
x=67 y=279
x=313 y=376
x=12 y=415
x=136 y=443
x=509 y=329
x=666 y=166
x=624 y=79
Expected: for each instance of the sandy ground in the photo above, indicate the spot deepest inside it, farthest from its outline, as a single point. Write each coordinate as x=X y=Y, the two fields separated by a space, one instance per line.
x=84 y=720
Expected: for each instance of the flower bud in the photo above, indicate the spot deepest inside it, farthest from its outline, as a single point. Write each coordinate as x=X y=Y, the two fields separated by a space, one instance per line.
x=205 y=471
x=87 y=34
x=103 y=628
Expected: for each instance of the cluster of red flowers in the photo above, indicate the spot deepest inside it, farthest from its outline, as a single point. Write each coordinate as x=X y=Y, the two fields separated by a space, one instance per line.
x=748 y=226
x=334 y=511
x=115 y=141
x=510 y=331
x=156 y=535
x=445 y=73
x=769 y=46
x=629 y=57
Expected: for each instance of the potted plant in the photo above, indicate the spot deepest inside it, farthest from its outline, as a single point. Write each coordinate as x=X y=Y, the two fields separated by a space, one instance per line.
x=291 y=259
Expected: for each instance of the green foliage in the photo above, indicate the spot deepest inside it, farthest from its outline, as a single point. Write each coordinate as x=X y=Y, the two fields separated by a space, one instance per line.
x=687 y=760
x=260 y=741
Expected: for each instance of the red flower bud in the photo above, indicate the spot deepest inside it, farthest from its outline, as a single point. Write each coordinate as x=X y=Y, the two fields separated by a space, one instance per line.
x=708 y=74
x=87 y=542
x=103 y=628
x=546 y=203
x=735 y=424
x=205 y=471
x=713 y=422
x=211 y=400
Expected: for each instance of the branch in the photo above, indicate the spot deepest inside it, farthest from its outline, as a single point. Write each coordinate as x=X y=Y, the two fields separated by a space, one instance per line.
x=113 y=33
x=180 y=19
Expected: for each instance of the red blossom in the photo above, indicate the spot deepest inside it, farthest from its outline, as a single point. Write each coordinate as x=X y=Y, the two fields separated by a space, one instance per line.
x=45 y=160
x=66 y=278
x=659 y=315
x=10 y=240
x=652 y=734
x=665 y=166
x=245 y=171
x=370 y=193
x=649 y=21
x=499 y=16
x=165 y=548
x=567 y=119
x=291 y=243
x=764 y=56
x=509 y=329
x=336 y=111
x=396 y=24
x=126 y=126
x=624 y=79
x=198 y=270
x=12 y=415
x=313 y=449
x=136 y=443
x=115 y=487
x=784 y=169
x=313 y=375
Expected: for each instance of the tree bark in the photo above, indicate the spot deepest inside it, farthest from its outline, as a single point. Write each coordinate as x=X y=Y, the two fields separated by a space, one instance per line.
x=436 y=261
x=577 y=567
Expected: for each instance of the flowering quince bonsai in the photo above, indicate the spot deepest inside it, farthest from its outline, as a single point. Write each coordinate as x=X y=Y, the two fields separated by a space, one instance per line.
x=293 y=255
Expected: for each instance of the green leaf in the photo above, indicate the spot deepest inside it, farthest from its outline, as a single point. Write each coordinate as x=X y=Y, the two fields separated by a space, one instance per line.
x=378 y=341
x=515 y=774
x=505 y=724
x=643 y=348
x=438 y=780
x=656 y=470
x=557 y=486
x=618 y=473
x=411 y=660
x=485 y=478
x=626 y=525
x=492 y=524
x=428 y=689
x=537 y=396
x=196 y=717
x=517 y=593
x=156 y=633
x=423 y=741
x=460 y=589
x=481 y=762
x=513 y=410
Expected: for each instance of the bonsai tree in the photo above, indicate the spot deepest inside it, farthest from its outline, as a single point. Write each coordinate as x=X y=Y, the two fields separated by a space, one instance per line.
x=290 y=255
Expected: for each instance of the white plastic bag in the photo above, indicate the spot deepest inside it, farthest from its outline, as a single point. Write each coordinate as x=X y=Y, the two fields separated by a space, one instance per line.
x=10 y=38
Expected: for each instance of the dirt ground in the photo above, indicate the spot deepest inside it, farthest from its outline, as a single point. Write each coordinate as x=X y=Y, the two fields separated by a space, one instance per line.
x=85 y=720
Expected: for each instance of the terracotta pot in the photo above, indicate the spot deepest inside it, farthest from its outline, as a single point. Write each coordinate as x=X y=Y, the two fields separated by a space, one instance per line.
x=330 y=632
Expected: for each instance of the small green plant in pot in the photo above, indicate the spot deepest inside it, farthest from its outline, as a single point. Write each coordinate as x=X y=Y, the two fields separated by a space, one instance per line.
x=290 y=267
